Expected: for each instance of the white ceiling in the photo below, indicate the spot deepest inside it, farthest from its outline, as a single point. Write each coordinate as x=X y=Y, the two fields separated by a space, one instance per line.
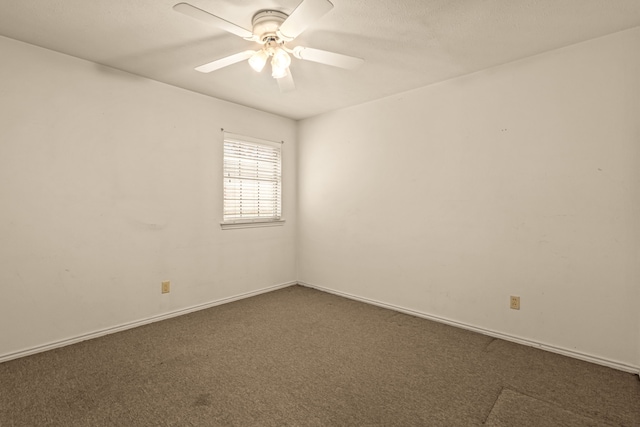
x=406 y=43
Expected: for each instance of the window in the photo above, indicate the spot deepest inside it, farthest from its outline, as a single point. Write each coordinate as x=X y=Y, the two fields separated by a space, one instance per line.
x=252 y=181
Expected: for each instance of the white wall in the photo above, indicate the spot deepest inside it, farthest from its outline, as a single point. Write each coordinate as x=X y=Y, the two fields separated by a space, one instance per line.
x=111 y=183
x=518 y=180
x=522 y=179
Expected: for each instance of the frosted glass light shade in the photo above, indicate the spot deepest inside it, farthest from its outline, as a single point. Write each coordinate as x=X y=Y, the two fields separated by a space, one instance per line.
x=280 y=63
x=258 y=60
x=281 y=59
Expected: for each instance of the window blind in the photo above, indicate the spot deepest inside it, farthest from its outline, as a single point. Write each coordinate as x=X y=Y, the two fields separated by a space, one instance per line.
x=252 y=179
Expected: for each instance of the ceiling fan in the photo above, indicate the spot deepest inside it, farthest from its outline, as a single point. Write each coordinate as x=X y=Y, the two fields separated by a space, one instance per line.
x=272 y=29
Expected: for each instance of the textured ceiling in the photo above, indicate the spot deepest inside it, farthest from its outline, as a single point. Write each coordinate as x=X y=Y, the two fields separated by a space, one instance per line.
x=406 y=43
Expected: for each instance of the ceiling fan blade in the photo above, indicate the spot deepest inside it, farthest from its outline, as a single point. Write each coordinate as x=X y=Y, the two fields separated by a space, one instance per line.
x=328 y=58
x=286 y=83
x=225 y=62
x=208 y=18
x=307 y=12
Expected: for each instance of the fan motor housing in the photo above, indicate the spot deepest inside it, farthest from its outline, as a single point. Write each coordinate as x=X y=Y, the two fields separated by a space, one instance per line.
x=266 y=23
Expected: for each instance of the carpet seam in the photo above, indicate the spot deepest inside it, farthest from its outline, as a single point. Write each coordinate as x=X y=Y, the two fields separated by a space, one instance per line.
x=513 y=389
x=486 y=418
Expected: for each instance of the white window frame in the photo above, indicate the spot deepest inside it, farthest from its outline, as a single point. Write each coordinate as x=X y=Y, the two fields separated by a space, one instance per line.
x=267 y=158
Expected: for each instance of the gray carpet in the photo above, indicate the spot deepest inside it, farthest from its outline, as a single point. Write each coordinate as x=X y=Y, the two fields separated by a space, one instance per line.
x=516 y=409
x=303 y=357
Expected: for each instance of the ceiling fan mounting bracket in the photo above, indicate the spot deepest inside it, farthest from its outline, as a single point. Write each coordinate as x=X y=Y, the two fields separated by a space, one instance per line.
x=266 y=24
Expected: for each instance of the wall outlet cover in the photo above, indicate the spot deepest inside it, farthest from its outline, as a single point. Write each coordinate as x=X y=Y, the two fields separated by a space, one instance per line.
x=166 y=287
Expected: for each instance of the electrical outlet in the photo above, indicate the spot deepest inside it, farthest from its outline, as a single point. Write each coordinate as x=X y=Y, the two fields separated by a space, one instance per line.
x=514 y=303
x=166 y=287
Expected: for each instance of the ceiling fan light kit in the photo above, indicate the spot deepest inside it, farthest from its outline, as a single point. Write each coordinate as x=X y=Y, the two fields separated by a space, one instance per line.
x=265 y=30
x=272 y=29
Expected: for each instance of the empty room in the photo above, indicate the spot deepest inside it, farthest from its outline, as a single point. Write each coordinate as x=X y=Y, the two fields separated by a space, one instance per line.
x=318 y=213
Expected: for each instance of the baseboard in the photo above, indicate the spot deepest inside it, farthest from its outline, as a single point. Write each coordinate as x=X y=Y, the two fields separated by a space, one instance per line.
x=141 y=322
x=519 y=340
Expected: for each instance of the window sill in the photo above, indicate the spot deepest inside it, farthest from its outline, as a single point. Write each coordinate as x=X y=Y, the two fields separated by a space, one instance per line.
x=251 y=224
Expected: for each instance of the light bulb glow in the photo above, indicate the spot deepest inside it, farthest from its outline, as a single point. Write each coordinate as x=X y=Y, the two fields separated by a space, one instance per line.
x=258 y=60
x=281 y=59
x=280 y=63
